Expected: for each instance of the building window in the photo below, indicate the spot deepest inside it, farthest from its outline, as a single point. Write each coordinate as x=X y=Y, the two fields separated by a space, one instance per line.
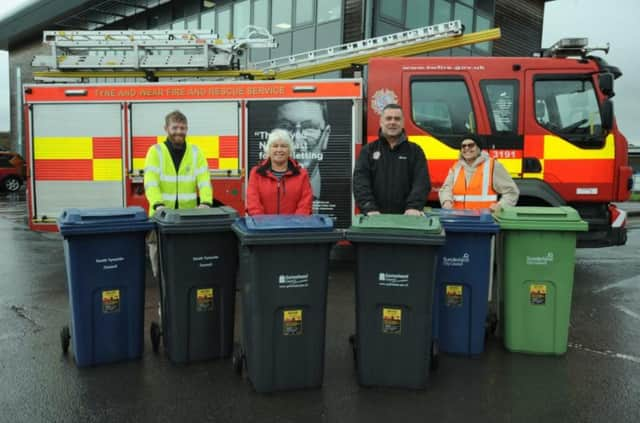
x=261 y=13
x=193 y=22
x=441 y=11
x=417 y=13
x=208 y=20
x=304 y=12
x=329 y=10
x=224 y=22
x=391 y=9
x=482 y=23
x=464 y=14
x=240 y=17
x=178 y=24
x=486 y=6
x=281 y=16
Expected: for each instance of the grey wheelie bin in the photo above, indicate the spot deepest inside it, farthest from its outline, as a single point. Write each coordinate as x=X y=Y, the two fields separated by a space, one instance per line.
x=395 y=273
x=198 y=265
x=284 y=262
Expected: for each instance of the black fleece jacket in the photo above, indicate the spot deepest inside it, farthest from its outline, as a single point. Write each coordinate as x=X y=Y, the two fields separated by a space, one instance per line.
x=391 y=180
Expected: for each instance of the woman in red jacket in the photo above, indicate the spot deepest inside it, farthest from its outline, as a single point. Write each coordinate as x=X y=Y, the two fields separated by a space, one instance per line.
x=279 y=185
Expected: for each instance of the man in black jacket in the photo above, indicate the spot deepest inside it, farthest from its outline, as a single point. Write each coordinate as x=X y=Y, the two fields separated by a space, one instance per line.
x=391 y=173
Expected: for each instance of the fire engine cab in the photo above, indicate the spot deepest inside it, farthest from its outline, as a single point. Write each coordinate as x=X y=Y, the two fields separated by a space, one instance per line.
x=549 y=120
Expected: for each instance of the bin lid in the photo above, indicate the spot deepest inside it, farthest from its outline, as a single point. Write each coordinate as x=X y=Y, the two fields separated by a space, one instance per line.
x=288 y=222
x=285 y=229
x=103 y=220
x=212 y=219
x=396 y=229
x=455 y=220
x=540 y=219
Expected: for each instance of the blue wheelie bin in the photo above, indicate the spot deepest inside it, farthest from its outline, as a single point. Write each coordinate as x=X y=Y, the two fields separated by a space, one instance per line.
x=285 y=270
x=462 y=281
x=105 y=259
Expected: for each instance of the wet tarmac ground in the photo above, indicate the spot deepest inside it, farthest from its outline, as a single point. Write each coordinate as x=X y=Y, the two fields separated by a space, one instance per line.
x=598 y=380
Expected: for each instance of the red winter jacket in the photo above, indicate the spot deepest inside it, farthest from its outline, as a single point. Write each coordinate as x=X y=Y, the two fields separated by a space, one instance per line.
x=290 y=195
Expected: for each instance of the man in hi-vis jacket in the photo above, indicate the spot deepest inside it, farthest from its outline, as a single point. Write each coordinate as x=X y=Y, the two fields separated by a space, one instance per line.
x=176 y=175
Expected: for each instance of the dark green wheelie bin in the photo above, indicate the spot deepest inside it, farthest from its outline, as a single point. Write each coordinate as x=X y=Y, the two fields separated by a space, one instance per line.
x=198 y=265
x=395 y=276
x=285 y=270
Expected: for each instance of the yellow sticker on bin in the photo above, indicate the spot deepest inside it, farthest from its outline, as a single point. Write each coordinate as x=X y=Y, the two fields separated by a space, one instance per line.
x=111 y=301
x=391 y=321
x=538 y=294
x=292 y=322
x=204 y=299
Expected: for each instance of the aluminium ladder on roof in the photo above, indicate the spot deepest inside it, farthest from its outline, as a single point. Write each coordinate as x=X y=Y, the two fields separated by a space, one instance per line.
x=406 y=43
x=153 y=49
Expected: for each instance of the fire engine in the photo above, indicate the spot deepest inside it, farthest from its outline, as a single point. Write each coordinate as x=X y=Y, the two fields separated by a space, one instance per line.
x=549 y=119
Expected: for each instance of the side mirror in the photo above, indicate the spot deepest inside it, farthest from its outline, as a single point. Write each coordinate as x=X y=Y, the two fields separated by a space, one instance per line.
x=605 y=80
x=607 y=114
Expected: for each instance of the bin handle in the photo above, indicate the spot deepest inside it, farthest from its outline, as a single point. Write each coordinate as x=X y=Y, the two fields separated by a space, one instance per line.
x=87 y=216
x=542 y=216
x=325 y=219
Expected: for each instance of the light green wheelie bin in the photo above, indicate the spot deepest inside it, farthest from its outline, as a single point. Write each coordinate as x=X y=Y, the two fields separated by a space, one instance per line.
x=538 y=246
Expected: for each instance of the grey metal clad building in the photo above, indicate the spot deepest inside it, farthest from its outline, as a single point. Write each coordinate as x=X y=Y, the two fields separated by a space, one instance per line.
x=298 y=25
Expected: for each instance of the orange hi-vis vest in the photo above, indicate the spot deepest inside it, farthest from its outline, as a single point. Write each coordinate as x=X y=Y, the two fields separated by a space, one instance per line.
x=479 y=194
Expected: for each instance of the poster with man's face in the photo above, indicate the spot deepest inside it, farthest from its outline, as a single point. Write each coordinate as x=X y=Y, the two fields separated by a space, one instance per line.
x=322 y=133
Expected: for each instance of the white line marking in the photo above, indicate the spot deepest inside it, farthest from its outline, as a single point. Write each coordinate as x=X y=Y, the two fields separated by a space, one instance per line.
x=606 y=353
x=622 y=283
x=628 y=312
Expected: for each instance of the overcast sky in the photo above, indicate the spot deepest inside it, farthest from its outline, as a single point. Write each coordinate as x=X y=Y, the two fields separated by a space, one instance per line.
x=603 y=22
x=600 y=21
x=10 y=6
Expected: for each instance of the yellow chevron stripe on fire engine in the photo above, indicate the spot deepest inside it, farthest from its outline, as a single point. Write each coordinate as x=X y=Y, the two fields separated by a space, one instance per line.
x=435 y=149
x=69 y=148
x=107 y=169
x=138 y=164
x=559 y=149
x=208 y=144
x=513 y=166
x=228 y=164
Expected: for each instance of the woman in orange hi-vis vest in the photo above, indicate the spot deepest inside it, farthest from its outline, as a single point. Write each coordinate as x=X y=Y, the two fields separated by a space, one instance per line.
x=476 y=180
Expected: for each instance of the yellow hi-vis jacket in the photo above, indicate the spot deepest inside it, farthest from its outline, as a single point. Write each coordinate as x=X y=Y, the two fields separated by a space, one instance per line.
x=163 y=186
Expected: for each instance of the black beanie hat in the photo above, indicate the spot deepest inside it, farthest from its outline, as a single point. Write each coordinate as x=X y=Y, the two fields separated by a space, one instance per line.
x=474 y=138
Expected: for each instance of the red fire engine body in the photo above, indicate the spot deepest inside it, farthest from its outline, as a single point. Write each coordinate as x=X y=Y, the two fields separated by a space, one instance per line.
x=548 y=120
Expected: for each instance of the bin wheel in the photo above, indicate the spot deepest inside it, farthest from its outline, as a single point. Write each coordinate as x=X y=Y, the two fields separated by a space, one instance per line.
x=155 y=333
x=237 y=359
x=354 y=348
x=65 y=339
x=435 y=355
x=491 y=325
